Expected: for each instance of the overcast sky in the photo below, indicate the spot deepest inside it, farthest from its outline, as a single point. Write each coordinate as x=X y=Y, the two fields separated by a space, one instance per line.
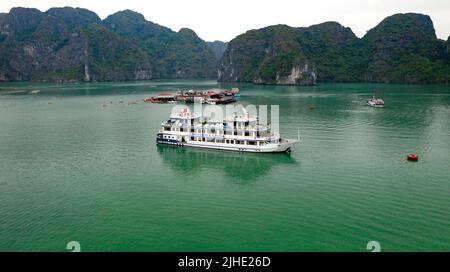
x=225 y=19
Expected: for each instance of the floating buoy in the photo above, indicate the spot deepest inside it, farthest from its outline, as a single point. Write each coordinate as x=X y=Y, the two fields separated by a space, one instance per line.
x=413 y=157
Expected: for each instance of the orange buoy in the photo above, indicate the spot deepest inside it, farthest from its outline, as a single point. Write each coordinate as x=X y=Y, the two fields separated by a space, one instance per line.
x=413 y=157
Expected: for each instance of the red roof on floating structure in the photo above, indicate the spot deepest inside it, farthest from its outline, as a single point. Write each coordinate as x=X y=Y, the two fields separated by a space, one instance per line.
x=166 y=95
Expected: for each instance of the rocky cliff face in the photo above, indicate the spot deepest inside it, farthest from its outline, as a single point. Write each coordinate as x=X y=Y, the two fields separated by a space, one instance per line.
x=173 y=54
x=67 y=44
x=252 y=57
x=218 y=48
x=32 y=45
x=285 y=55
x=300 y=75
x=402 y=48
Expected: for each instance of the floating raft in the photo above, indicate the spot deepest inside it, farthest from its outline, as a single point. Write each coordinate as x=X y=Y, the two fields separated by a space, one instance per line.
x=210 y=97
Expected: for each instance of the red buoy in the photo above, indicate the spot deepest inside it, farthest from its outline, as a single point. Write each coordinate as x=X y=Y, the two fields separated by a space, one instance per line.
x=413 y=157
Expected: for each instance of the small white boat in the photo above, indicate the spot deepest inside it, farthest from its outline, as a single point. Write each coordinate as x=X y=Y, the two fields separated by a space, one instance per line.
x=375 y=102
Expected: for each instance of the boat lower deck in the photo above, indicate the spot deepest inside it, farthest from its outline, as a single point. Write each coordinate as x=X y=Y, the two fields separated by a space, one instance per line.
x=284 y=146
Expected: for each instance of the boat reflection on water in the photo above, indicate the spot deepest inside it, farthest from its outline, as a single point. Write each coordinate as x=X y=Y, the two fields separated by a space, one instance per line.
x=237 y=166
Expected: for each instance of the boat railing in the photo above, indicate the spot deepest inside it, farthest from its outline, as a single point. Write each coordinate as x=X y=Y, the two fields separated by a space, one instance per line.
x=231 y=137
x=227 y=128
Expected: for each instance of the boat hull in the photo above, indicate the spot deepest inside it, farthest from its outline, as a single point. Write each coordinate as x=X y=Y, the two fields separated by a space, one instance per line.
x=283 y=146
x=375 y=105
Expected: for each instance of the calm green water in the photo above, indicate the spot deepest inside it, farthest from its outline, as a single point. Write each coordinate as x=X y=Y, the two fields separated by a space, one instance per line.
x=74 y=170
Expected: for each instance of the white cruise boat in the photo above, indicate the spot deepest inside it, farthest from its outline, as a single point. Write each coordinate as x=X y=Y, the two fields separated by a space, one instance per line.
x=239 y=133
